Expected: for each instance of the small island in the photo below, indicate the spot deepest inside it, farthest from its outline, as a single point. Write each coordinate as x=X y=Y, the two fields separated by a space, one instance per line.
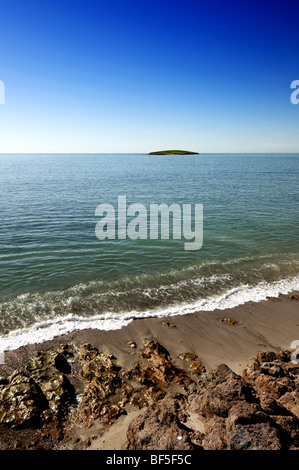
x=173 y=152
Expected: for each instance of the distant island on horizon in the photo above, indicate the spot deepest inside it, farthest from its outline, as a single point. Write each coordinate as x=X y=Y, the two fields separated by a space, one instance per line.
x=173 y=152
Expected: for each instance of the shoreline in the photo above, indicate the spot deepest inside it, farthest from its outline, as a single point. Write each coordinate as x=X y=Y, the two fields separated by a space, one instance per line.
x=157 y=380
x=47 y=330
x=229 y=336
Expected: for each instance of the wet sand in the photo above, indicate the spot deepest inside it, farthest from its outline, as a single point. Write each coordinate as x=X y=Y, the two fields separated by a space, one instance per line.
x=228 y=336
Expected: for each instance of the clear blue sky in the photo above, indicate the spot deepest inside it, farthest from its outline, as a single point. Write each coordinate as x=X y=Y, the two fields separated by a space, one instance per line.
x=142 y=75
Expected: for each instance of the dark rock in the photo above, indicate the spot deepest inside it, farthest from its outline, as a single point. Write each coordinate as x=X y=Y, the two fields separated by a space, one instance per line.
x=21 y=401
x=237 y=415
x=290 y=400
x=45 y=368
x=168 y=324
x=283 y=356
x=266 y=356
x=197 y=367
x=222 y=391
x=220 y=410
x=229 y=321
x=159 y=428
x=164 y=369
x=102 y=380
x=270 y=368
x=268 y=374
x=215 y=434
x=188 y=356
x=254 y=437
x=293 y=297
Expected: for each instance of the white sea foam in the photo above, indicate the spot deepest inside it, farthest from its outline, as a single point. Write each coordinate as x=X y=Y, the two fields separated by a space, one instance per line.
x=47 y=330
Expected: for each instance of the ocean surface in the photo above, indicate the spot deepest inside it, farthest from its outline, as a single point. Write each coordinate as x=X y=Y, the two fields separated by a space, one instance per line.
x=57 y=276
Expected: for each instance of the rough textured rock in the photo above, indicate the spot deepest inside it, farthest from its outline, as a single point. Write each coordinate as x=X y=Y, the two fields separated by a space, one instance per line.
x=250 y=428
x=272 y=374
x=46 y=370
x=229 y=321
x=102 y=380
x=293 y=297
x=40 y=394
x=253 y=412
x=188 y=356
x=266 y=356
x=220 y=390
x=159 y=428
x=108 y=387
x=21 y=401
x=190 y=409
x=234 y=415
x=197 y=367
x=164 y=369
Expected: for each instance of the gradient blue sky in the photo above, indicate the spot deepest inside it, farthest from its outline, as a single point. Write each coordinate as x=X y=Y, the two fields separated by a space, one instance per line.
x=142 y=75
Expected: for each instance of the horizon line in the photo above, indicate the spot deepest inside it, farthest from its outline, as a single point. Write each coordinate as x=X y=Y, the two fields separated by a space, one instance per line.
x=145 y=153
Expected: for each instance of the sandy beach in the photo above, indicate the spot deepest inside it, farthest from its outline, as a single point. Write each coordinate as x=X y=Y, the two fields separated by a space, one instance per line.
x=228 y=336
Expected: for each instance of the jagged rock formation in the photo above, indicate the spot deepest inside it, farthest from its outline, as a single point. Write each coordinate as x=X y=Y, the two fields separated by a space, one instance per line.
x=190 y=408
x=227 y=411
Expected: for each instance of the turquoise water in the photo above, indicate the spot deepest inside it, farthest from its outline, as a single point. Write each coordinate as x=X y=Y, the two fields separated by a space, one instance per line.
x=53 y=266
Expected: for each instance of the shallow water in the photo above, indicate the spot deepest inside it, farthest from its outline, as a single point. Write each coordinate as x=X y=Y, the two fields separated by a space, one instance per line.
x=55 y=273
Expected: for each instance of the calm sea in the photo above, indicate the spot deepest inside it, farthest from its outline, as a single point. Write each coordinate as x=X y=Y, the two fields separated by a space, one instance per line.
x=56 y=275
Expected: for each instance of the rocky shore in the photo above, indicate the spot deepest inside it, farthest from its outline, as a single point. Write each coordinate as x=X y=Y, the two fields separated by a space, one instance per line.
x=152 y=386
x=78 y=398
